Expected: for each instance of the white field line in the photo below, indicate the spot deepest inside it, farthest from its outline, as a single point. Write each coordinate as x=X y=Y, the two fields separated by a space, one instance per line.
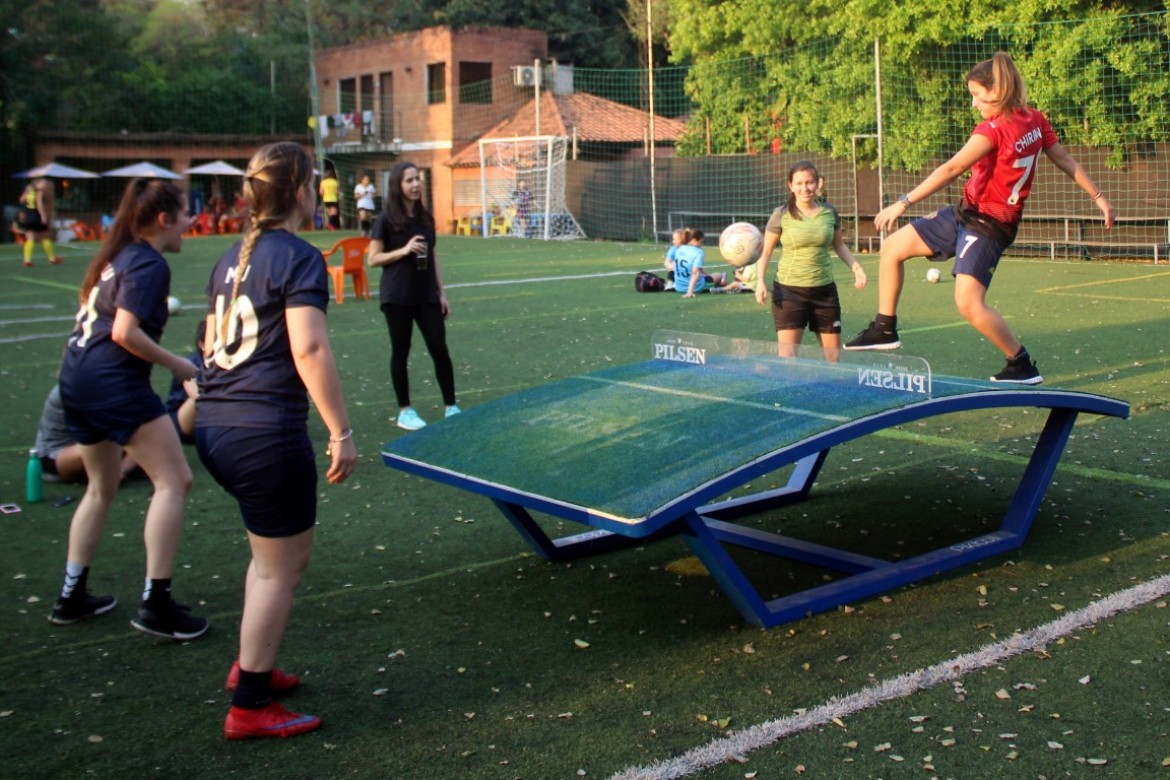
x=760 y=736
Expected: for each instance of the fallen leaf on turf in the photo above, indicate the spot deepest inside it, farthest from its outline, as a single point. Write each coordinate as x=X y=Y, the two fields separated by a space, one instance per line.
x=852 y=745
x=749 y=648
x=565 y=715
x=469 y=715
x=1085 y=680
x=723 y=723
x=1013 y=755
x=919 y=718
x=581 y=643
x=838 y=722
x=94 y=738
x=381 y=691
x=1002 y=694
x=947 y=742
x=1097 y=762
x=1055 y=745
x=736 y=758
x=882 y=748
x=1057 y=607
x=981 y=590
x=5 y=713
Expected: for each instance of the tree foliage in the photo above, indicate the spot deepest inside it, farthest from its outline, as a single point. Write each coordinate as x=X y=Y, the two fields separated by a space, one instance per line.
x=803 y=72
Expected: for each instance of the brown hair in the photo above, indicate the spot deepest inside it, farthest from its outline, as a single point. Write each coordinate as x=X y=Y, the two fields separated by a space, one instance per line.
x=692 y=234
x=803 y=165
x=1001 y=76
x=135 y=220
x=272 y=185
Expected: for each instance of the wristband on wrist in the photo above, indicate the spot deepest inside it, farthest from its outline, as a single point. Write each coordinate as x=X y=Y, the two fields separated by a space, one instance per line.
x=1098 y=196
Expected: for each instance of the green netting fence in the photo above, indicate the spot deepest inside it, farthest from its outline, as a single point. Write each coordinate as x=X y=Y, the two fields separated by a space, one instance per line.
x=723 y=134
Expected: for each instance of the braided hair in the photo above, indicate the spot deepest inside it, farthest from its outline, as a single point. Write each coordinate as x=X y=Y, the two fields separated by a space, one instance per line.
x=272 y=187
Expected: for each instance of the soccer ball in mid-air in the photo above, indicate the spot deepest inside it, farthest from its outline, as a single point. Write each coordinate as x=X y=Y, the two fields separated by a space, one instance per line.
x=173 y=304
x=741 y=243
x=933 y=276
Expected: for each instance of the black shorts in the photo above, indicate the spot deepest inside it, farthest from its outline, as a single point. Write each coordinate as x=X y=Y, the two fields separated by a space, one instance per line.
x=815 y=308
x=29 y=220
x=272 y=474
x=113 y=423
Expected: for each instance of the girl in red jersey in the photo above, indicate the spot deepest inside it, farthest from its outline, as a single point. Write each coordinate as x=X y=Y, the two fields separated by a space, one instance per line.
x=1001 y=154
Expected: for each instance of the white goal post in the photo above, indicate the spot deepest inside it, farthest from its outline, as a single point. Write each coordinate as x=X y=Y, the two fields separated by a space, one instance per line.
x=522 y=182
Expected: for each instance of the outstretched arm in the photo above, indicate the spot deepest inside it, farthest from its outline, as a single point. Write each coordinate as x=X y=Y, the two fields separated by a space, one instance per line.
x=1063 y=160
x=977 y=147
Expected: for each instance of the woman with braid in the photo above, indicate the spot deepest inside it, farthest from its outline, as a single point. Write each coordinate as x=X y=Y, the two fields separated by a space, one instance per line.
x=109 y=404
x=269 y=354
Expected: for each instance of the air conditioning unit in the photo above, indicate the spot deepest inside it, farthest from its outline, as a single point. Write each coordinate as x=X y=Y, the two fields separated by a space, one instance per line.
x=523 y=75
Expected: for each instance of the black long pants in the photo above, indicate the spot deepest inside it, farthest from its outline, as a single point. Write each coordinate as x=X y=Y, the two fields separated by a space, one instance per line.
x=400 y=321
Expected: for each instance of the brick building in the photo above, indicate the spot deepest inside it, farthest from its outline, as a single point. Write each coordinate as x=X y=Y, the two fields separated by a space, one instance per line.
x=422 y=96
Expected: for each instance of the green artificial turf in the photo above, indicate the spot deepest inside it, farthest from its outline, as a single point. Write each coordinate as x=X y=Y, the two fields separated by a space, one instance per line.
x=434 y=645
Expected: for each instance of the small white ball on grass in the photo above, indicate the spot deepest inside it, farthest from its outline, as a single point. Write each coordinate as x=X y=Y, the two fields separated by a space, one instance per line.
x=933 y=275
x=173 y=304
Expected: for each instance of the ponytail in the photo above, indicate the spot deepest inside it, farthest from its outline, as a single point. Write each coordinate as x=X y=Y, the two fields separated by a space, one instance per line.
x=1001 y=76
x=135 y=220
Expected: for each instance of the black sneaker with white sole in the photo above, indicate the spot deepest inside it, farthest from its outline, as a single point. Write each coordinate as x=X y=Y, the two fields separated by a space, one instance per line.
x=79 y=606
x=1020 y=371
x=169 y=620
x=875 y=337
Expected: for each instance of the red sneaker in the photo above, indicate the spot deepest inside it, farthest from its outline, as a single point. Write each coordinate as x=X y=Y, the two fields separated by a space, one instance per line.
x=56 y=260
x=280 y=682
x=272 y=720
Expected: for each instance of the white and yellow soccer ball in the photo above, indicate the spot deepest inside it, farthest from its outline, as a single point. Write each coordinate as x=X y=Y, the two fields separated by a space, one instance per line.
x=741 y=243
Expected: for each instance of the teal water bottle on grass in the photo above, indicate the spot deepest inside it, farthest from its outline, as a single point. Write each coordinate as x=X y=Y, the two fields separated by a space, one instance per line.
x=34 y=479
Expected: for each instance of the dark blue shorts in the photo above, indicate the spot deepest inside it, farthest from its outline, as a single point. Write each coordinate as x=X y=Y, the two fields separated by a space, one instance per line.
x=815 y=308
x=113 y=423
x=272 y=474
x=975 y=254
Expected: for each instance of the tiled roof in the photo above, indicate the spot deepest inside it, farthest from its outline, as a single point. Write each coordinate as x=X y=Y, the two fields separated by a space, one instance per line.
x=596 y=120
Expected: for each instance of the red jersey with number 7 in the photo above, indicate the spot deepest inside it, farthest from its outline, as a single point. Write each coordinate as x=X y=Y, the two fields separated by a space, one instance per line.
x=1001 y=180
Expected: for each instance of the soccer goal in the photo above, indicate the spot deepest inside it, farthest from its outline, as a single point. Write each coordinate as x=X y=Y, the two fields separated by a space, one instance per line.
x=522 y=181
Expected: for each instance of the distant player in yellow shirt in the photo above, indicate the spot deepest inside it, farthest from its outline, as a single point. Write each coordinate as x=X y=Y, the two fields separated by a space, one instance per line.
x=35 y=219
x=328 y=190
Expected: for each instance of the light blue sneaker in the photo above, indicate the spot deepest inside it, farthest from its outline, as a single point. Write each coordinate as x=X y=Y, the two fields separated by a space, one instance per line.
x=408 y=418
x=452 y=410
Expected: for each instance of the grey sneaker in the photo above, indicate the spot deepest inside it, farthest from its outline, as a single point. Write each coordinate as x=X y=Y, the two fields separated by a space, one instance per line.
x=80 y=606
x=169 y=621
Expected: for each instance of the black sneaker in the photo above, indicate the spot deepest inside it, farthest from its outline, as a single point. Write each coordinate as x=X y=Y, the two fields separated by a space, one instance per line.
x=1022 y=371
x=874 y=337
x=79 y=607
x=169 y=621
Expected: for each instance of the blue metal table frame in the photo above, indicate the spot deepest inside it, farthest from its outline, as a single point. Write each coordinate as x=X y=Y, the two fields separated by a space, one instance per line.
x=707 y=527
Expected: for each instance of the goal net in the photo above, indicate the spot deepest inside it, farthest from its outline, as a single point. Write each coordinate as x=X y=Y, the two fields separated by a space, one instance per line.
x=522 y=182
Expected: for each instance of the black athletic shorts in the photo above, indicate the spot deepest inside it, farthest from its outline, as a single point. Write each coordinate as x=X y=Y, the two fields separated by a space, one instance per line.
x=815 y=308
x=272 y=474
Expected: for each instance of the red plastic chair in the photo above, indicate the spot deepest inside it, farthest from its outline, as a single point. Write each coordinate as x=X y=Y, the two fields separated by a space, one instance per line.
x=353 y=263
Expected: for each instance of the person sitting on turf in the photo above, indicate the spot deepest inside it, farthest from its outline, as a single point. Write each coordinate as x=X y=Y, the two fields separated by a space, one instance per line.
x=676 y=240
x=180 y=401
x=689 y=278
x=57 y=448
